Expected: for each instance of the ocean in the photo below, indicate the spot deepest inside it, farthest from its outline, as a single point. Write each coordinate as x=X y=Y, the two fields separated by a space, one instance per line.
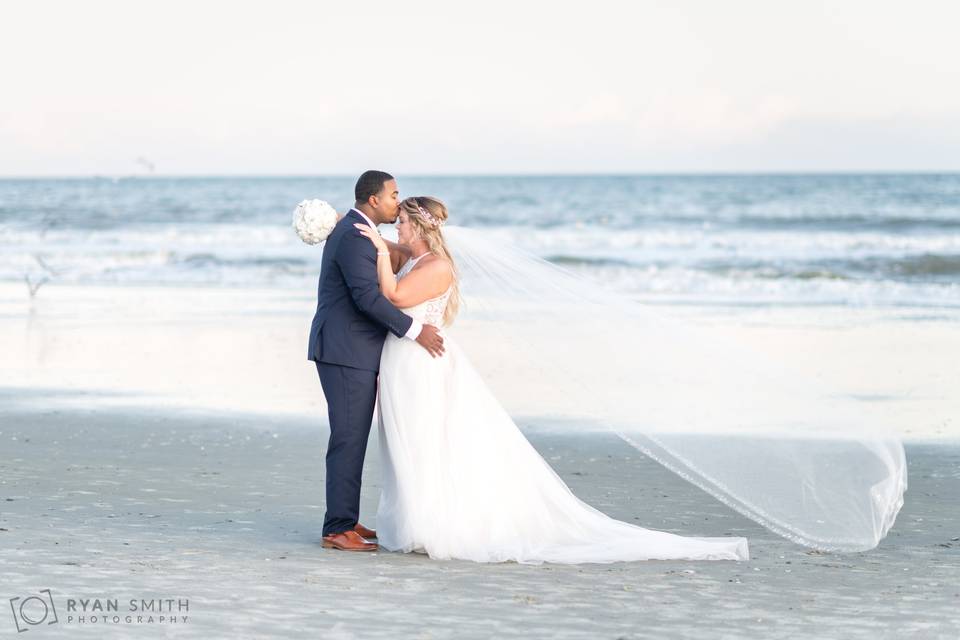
x=838 y=239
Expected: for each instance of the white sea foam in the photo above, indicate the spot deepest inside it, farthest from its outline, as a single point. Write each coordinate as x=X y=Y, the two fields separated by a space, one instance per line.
x=756 y=239
x=691 y=264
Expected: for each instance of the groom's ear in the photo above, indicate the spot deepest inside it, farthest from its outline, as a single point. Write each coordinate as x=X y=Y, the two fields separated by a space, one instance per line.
x=371 y=200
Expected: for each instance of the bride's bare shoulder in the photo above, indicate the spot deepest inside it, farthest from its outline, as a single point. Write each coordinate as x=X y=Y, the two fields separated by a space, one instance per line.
x=434 y=262
x=435 y=266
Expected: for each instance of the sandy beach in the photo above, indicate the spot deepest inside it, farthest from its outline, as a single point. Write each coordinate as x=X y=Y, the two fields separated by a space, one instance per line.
x=225 y=511
x=168 y=443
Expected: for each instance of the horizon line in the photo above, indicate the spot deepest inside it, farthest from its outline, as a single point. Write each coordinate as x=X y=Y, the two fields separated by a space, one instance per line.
x=558 y=174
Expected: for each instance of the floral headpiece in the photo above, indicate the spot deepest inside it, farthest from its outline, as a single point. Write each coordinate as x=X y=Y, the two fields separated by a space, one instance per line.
x=431 y=219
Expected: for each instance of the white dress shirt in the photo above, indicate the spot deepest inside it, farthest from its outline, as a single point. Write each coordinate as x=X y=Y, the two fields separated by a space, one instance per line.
x=416 y=326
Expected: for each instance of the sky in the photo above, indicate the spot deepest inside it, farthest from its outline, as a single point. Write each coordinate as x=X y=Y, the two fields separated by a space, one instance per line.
x=423 y=87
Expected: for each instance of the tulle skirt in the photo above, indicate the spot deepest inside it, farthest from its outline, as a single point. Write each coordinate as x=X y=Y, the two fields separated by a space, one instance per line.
x=461 y=481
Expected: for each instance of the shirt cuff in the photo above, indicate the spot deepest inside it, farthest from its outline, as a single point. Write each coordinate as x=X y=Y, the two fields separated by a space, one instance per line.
x=415 y=328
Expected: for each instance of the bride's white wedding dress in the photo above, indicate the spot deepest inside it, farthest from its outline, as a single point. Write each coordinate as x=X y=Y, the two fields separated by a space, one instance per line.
x=461 y=481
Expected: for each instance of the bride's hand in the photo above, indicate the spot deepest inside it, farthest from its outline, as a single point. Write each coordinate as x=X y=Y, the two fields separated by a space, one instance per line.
x=371 y=233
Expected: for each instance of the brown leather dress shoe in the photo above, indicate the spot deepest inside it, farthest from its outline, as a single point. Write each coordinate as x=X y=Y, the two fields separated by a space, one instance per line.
x=364 y=532
x=348 y=541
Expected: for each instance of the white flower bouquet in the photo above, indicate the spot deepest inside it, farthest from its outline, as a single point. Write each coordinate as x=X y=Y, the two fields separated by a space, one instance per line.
x=313 y=220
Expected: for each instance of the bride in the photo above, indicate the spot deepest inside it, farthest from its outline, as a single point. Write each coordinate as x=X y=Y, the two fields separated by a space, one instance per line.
x=459 y=478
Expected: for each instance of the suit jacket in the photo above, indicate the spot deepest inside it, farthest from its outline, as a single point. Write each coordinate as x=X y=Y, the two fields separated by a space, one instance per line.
x=352 y=317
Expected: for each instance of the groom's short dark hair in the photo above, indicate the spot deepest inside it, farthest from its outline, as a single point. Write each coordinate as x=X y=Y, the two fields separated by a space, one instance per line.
x=370 y=184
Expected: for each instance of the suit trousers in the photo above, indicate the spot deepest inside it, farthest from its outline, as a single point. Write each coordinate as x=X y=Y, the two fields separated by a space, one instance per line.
x=351 y=396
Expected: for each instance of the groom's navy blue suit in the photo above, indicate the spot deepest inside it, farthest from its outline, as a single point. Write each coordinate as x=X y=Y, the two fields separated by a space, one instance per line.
x=346 y=339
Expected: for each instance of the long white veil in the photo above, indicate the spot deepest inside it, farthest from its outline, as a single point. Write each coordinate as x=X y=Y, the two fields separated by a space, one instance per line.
x=718 y=410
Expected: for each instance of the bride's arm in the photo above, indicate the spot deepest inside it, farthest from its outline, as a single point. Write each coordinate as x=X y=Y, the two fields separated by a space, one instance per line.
x=385 y=273
x=428 y=280
x=421 y=284
x=399 y=254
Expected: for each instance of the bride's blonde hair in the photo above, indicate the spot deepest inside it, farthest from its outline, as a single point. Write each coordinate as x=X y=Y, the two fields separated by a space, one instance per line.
x=429 y=228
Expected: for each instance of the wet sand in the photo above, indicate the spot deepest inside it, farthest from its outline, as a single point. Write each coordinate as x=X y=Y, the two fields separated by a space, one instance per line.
x=245 y=350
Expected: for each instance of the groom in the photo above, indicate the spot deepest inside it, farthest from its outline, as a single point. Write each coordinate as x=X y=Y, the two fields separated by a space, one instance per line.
x=346 y=339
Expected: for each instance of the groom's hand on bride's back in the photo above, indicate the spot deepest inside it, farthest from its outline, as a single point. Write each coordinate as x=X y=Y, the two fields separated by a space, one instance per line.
x=431 y=340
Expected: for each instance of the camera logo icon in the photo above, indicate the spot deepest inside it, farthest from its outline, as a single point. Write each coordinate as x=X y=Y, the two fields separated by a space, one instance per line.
x=33 y=611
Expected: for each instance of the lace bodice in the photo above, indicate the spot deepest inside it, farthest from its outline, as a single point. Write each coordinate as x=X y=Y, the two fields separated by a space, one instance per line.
x=429 y=311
